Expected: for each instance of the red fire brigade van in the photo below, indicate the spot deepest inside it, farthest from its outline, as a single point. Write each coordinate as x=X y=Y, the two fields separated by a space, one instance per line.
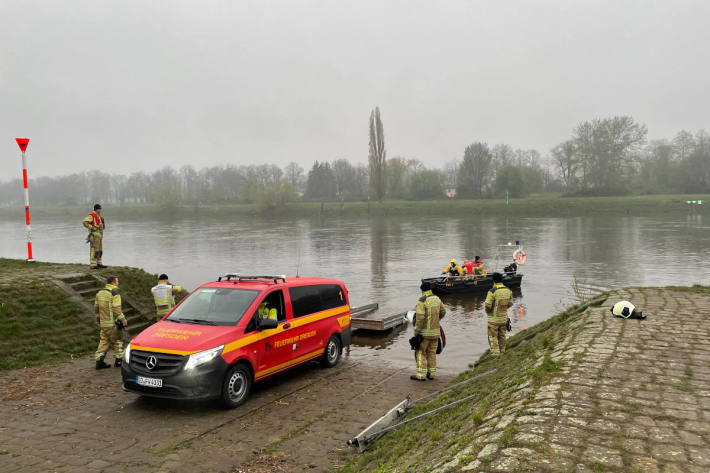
x=217 y=342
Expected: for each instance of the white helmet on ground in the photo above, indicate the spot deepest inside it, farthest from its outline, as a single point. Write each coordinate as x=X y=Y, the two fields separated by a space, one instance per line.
x=626 y=310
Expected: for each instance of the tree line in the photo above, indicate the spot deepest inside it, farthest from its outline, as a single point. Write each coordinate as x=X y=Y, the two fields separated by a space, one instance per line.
x=609 y=156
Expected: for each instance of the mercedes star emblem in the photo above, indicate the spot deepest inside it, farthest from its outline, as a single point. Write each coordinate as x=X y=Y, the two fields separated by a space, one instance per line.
x=151 y=362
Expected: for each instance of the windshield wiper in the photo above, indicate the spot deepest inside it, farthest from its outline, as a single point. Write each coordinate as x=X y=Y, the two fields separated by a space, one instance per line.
x=198 y=321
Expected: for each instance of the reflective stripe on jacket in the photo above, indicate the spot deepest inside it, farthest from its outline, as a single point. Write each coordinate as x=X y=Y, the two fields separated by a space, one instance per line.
x=430 y=311
x=497 y=302
x=107 y=306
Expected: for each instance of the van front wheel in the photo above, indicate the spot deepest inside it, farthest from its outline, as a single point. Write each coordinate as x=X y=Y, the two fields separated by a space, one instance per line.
x=236 y=386
x=332 y=352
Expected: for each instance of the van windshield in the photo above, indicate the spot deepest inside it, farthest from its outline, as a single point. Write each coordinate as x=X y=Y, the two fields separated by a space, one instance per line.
x=213 y=306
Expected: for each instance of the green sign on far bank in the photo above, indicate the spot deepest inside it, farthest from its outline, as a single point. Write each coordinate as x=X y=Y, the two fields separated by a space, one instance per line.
x=698 y=202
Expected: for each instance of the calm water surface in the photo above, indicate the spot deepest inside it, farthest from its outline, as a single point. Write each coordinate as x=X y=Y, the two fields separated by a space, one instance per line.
x=382 y=260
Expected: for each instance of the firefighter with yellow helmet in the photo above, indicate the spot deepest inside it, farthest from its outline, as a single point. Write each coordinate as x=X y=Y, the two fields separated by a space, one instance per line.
x=453 y=269
x=164 y=296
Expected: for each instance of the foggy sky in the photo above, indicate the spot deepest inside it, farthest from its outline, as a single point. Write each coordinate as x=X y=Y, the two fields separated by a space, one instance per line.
x=124 y=85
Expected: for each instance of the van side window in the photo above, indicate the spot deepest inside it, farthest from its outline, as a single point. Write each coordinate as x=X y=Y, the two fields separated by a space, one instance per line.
x=331 y=296
x=274 y=300
x=307 y=300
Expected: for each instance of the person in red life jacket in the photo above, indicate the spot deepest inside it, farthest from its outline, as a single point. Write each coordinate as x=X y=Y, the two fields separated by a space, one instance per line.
x=96 y=224
x=468 y=266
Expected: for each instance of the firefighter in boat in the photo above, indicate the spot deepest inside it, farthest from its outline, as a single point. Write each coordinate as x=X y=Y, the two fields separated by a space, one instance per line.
x=453 y=269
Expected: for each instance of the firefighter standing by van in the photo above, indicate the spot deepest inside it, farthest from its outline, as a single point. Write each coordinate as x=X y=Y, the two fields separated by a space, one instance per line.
x=96 y=224
x=107 y=307
x=426 y=328
x=498 y=300
x=164 y=296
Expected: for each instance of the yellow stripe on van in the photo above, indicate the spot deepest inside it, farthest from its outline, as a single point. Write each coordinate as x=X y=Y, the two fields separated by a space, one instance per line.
x=300 y=321
x=163 y=350
x=312 y=354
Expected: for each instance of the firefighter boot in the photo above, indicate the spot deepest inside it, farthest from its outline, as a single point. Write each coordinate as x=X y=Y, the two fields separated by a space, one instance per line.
x=101 y=364
x=117 y=363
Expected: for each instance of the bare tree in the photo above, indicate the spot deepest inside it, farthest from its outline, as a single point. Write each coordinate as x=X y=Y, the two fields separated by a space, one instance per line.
x=451 y=173
x=605 y=148
x=474 y=170
x=294 y=174
x=377 y=155
x=683 y=145
x=565 y=157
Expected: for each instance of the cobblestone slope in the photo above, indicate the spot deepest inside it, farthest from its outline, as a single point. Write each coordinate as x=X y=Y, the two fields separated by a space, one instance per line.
x=628 y=396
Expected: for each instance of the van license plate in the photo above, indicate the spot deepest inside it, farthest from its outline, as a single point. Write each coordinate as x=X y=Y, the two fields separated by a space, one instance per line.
x=152 y=382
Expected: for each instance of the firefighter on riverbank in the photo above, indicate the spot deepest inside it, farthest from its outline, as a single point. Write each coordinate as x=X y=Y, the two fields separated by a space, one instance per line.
x=107 y=307
x=498 y=300
x=164 y=296
x=453 y=269
x=96 y=224
x=426 y=329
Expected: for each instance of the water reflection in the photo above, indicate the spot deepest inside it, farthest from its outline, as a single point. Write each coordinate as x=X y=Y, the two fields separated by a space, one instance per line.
x=382 y=259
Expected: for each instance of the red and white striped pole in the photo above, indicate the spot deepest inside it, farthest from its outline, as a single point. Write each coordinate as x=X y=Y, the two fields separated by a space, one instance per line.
x=22 y=143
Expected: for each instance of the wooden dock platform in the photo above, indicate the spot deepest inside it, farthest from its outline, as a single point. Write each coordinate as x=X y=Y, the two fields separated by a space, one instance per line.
x=366 y=317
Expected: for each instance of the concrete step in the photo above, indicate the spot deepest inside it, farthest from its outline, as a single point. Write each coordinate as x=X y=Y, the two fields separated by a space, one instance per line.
x=135 y=329
x=73 y=278
x=133 y=318
x=89 y=292
x=88 y=284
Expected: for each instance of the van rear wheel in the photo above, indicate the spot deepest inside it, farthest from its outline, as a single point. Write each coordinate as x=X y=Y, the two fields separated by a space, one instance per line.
x=236 y=386
x=332 y=352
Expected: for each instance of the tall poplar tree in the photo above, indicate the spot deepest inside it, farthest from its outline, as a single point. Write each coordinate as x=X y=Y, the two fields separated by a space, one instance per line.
x=377 y=155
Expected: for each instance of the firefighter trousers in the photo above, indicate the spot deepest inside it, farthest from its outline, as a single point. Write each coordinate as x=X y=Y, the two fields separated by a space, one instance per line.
x=95 y=248
x=426 y=357
x=109 y=337
x=496 y=338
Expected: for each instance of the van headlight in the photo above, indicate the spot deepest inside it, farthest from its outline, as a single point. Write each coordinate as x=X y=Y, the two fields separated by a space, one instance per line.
x=127 y=354
x=200 y=358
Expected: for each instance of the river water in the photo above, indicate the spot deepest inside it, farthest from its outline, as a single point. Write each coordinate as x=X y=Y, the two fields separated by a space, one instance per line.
x=382 y=260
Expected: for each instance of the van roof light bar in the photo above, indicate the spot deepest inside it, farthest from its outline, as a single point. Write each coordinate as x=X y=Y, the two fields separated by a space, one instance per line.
x=244 y=277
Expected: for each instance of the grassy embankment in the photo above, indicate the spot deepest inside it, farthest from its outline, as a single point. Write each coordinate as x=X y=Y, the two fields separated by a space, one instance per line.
x=39 y=323
x=542 y=205
x=526 y=364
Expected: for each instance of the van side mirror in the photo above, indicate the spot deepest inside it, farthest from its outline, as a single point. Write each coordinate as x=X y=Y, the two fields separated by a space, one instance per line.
x=266 y=324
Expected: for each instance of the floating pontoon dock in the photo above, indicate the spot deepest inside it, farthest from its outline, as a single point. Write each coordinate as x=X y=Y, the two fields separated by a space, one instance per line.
x=366 y=317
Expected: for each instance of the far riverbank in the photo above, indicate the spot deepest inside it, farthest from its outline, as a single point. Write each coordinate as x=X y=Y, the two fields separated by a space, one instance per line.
x=543 y=205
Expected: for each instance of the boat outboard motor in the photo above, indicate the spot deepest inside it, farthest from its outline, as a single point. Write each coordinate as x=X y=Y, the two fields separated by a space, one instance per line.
x=511 y=268
x=626 y=310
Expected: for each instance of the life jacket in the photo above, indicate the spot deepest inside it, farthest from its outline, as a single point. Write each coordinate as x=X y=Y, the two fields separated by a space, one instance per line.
x=469 y=268
x=96 y=218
